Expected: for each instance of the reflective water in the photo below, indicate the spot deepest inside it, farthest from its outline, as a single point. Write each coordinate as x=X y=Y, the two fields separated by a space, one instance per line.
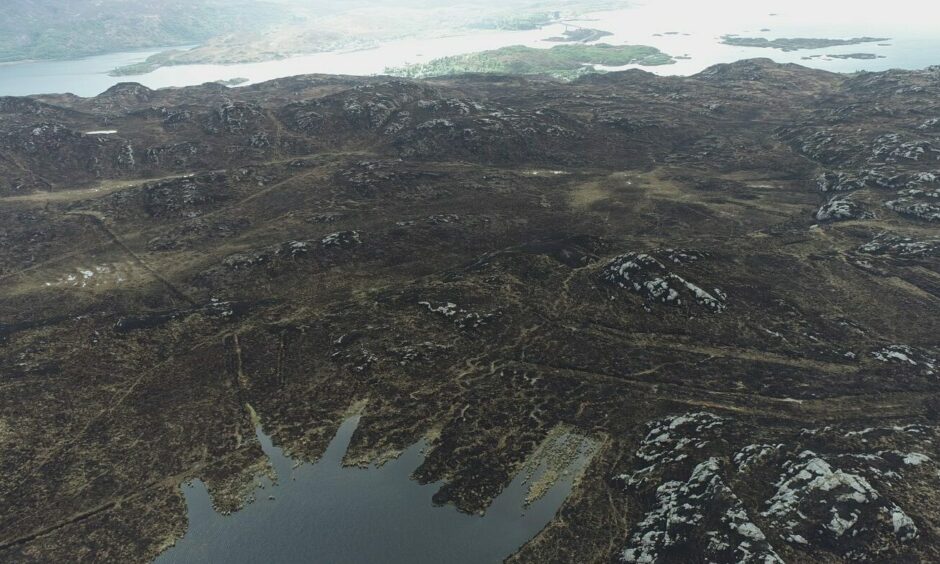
x=88 y=77
x=85 y=77
x=683 y=27
x=678 y=27
x=326 y=513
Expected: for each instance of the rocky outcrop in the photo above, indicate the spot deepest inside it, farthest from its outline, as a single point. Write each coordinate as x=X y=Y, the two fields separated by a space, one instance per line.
x=841 y=208
x=646 y=274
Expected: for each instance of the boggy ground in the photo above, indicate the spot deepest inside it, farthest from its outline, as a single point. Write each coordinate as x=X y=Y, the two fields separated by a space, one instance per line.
x=729 y=281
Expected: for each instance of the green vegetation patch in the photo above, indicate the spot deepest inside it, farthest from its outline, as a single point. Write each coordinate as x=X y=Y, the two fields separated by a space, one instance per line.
x=562 y=61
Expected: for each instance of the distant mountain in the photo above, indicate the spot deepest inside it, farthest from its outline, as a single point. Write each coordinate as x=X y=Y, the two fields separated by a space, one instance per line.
x=252 y=30
x=57 y=29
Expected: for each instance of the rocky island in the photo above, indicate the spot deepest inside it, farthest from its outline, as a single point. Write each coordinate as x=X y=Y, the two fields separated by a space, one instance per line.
x=728 y=283
x=580 y=35
x=856 y=56
x=796 y=44
x=561 y=61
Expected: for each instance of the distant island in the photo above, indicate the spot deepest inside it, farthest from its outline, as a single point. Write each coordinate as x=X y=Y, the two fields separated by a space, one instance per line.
x=248 y=48
x=223 y=32
x=797 y=43
x=233 y=81
x=150 y=64
x=859 y=56
x=566 y=62
x=580 y=35
x=312 y=32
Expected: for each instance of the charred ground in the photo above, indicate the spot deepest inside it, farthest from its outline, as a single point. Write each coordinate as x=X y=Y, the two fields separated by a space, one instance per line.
x=729 y=280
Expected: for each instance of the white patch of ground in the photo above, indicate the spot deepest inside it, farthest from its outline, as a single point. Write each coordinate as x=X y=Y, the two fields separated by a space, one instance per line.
x=646 y=275
x=100 y=275
x=702 y=506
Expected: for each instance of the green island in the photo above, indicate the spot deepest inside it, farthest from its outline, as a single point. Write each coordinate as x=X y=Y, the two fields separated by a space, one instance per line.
x=795 y=43
x=221 y=32
x=561 y=61
x=580 y=35
x=150 y=64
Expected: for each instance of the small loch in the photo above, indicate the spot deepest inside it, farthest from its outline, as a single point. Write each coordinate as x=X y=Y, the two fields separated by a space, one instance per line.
x=328 y=513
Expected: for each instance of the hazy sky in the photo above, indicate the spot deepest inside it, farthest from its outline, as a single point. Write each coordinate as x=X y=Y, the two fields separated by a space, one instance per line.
x=823 y=15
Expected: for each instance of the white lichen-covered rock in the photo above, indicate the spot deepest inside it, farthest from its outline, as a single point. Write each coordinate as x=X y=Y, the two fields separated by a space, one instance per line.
x=442 y=218
x=452 y=105
x=670 y=440
x=842 y=208
x=822 y=504
x=891 y=148
x=437 y=124
x=447 y=309
x=914 y=429
x=462 y=318
x=683 y=256
x=341 y=239
x=703 y=507
x=892 y=179
x=268 y=255
x=825 y=146
x=930 y=124
x=288 y=251
x=126 y=157
x=839 y=182
x=895 y=245
x=915 y=458
x=399 y=123
x=909 y=206
x=906 y=355
x=838 y=501
x=752 y=455
x=647 y=275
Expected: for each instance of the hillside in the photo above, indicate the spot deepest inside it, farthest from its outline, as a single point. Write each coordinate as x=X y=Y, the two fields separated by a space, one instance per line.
x=53 y=29
x=730 y=282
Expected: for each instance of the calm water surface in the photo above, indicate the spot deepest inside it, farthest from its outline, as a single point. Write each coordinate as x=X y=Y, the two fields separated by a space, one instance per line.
x=681 y=27
x=325 y=513
x=678 y=27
